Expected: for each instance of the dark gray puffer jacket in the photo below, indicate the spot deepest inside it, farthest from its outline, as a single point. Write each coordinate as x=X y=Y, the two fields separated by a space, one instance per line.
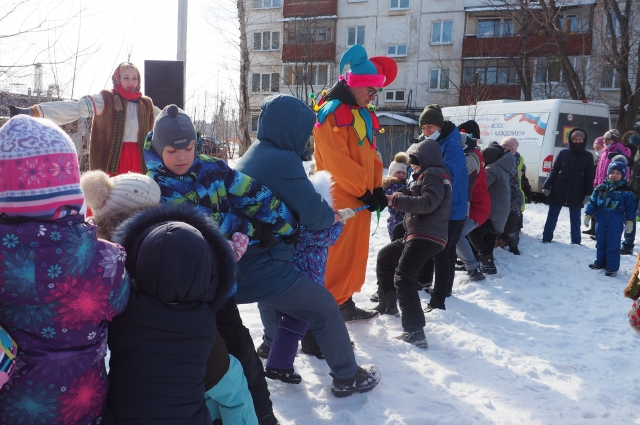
x=427 y=207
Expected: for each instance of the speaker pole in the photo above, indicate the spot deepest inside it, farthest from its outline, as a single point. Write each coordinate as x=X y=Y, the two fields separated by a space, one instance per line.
x=182 y=40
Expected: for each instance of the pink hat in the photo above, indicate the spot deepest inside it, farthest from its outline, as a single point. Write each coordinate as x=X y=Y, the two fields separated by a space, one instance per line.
x=598 y=142
x=510 y=143
x=39 y=173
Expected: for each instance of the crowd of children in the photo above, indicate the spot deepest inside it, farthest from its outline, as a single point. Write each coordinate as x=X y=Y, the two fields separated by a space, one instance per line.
x=155 y=273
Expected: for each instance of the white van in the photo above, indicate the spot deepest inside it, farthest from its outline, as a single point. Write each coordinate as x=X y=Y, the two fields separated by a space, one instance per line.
x=541 y=126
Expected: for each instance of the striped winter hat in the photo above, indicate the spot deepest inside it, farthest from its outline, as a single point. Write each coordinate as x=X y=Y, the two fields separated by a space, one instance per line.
x=39 y=173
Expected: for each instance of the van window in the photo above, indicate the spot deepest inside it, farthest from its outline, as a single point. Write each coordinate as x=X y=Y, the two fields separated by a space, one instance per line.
x=593 y=125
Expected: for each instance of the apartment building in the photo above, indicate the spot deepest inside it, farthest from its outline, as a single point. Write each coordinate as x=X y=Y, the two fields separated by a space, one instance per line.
x=449 y=52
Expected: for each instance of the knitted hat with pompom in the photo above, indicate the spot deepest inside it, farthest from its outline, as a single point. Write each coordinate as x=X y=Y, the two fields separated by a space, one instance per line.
x=399 y=163
x=107 y=195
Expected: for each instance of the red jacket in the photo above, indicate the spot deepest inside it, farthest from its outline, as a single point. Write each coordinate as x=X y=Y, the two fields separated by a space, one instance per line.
x=480 y=199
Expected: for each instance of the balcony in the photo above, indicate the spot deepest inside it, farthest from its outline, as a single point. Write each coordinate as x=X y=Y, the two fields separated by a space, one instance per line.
x=309 y=8
x=539 y=45
x=311 y=52
x=470 y=95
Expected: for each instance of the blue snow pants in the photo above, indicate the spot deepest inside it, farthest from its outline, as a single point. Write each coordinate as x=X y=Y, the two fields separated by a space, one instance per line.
x=609 y=228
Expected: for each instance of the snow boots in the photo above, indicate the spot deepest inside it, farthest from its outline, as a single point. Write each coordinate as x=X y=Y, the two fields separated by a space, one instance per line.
x=416 y=338
x=388 y=303
x=263 y=351
x=476 y=275
x=351 y=313
x=364 y=380
x=288 y=376
x=488 y=266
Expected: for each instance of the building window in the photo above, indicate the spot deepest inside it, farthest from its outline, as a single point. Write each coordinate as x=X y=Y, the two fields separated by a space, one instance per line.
x=264 y=4
x=355 y=35
x=547 y=70
x=610 y=80
x=439 y=79
x=394 y=95
x=254 y=123
x=616 y=26
x=398 y=4
x=309 y=35
x=265 y=82
x=441 y=32
x=317 y=74
x=488 y=71
x=267 y=40
x=495 y=28
x=397 y=50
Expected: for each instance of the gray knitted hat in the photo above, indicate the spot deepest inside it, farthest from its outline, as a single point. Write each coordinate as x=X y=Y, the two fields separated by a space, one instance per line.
x=174 y=128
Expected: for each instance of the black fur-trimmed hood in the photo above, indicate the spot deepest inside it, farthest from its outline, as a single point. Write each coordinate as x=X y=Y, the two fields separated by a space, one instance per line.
x=162 y=225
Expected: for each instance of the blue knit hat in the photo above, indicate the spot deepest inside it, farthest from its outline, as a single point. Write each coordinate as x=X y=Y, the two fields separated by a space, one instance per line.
x=378 y=71
x=619 y=162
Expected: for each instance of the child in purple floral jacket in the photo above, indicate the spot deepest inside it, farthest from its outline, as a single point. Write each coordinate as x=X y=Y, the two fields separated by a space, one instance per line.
x=59 y=284
x=396 y=179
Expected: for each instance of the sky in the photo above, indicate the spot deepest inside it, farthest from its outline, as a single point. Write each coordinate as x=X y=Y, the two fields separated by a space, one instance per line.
x=545 y=341
x=108 y=32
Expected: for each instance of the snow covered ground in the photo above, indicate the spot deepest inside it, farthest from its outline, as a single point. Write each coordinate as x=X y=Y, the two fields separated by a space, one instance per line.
x=544 y=341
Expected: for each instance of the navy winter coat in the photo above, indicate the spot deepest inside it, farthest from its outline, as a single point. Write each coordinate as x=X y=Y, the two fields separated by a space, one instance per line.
x=275 y=160
x=183 y=269
x=571 y=178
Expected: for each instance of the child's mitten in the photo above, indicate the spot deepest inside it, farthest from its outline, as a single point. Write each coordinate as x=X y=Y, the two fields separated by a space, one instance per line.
x=239 y=242
x=345 y=214
x=587 y=220
x=628 y=227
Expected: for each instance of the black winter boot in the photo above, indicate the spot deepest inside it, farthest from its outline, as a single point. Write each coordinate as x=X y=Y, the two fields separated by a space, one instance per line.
x=351 y=313
x=388 y=303
x=288 y=376
x=488 y=266
x=263 y=351
x=416 y=338
x=364 y=380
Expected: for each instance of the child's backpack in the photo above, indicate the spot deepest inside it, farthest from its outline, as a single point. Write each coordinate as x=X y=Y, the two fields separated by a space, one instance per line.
x=9 y=350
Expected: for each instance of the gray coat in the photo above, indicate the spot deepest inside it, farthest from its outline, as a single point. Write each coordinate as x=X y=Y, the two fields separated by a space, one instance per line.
x=499 y=190
x=427 y=207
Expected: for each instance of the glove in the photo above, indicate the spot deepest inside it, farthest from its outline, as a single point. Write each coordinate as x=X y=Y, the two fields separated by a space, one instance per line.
x=546 y=192
x=628 y=227
x=239 y=242
x=345 y=214
x=14 y=110
x=587 y=220
x=292 y=238
x=586 y=199
x=370 y=200
x=378 y=192
x=263 y=234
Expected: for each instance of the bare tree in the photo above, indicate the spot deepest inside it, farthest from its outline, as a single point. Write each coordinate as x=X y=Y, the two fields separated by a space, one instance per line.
x=621 y=51
x=22 y=23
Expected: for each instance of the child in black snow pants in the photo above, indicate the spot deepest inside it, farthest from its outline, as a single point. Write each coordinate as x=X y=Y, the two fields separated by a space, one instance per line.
x=427 y=206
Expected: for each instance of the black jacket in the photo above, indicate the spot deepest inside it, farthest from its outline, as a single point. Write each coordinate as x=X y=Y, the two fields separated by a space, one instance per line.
x=571 y=177
x=634 y=176
x=182 y=269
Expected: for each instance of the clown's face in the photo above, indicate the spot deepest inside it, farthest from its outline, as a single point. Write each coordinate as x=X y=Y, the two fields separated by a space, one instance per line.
x=364 y=95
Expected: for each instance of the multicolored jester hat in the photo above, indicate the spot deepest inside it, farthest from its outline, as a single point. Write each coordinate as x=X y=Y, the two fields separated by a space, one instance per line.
x=378 y=71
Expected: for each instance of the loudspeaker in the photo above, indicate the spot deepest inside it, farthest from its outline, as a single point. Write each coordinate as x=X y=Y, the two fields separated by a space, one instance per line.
x=164 y=82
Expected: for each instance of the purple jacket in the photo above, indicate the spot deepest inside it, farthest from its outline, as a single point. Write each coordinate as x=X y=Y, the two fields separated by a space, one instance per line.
x=604 y=161
x=59 y=287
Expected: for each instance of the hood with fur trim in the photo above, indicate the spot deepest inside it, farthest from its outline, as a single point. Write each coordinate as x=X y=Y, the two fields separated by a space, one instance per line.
x=178 y=255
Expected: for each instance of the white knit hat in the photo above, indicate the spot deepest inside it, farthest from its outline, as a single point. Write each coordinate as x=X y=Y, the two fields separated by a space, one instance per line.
x=400 y=163
x=105 y=195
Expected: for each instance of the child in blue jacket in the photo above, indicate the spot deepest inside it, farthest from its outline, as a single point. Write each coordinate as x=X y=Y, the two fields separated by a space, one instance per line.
x=611 y=203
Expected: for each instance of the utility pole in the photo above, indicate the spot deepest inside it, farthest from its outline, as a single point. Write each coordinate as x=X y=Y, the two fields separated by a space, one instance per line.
x=182 y=41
